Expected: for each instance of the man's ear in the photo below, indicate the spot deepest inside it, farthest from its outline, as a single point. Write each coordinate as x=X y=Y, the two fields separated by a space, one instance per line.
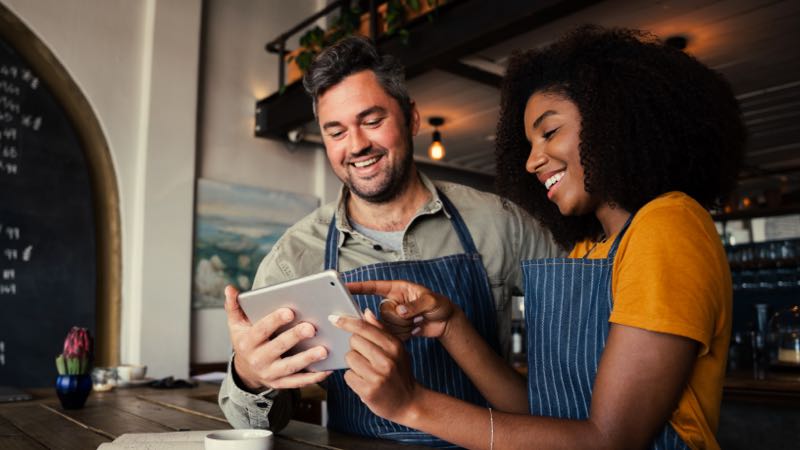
x=414 y=125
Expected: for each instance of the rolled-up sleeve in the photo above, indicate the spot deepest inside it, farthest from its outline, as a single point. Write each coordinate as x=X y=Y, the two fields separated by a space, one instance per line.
x=271 y=409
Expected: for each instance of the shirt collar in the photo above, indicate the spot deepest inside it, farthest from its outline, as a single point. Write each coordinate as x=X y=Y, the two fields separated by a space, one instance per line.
x=433 y=206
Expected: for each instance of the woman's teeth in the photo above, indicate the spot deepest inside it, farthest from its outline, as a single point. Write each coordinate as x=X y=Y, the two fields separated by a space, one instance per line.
x=553 y=180
x=366 y=163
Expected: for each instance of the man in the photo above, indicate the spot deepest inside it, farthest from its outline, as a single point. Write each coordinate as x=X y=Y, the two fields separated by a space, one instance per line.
x=390 y=222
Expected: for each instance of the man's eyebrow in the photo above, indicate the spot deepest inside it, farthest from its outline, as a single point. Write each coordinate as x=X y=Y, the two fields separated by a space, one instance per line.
x=360 y=116
x=371 y=110
x=541 y=118
x=331 y=124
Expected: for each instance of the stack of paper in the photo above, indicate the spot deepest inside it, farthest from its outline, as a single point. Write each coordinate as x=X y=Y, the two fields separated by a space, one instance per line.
x=182 y=440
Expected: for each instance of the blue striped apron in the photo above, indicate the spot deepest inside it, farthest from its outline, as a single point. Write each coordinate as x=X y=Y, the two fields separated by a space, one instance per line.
x=461 y=277
x=567 y=307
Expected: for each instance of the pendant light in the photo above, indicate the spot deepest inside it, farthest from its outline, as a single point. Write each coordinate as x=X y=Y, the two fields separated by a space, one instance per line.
x=436 y=149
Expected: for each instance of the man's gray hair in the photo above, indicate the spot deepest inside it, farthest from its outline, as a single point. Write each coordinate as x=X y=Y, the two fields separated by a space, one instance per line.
x=351 y=55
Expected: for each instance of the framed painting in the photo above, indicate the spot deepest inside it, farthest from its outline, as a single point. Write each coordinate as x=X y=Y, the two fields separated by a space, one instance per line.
x=235 y=227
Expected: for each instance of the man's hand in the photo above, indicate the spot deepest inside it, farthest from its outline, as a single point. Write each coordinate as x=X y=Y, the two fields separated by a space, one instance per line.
x=257 y=359
x=409 y=309
x=380 y=369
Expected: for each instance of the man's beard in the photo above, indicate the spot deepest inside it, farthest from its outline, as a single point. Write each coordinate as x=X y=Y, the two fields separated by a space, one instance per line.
x=394 y=183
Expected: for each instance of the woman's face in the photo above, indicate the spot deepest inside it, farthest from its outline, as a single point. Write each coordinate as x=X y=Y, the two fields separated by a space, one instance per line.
x=553 y=127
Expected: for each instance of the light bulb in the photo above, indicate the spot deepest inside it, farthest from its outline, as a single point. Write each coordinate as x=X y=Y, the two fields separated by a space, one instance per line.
x=436 y=150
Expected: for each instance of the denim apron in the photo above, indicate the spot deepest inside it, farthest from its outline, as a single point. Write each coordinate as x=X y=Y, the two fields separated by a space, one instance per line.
x=567 y=307
x=463 y=279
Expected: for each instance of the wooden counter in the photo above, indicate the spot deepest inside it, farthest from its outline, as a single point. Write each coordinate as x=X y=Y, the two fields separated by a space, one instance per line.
x=42 y=423
x=781 y=386
x=760 y=412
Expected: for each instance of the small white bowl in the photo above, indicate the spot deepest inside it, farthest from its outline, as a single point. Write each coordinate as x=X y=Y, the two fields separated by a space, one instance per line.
x=131 y=372
x=246 y=439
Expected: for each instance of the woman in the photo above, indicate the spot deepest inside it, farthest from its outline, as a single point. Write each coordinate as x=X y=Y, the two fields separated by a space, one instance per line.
x=617 y=144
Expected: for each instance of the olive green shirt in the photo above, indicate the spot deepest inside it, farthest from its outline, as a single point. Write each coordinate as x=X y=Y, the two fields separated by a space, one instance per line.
x=503 y=233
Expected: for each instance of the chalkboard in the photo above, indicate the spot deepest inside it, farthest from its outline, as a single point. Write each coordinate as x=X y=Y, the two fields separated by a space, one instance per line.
x=47 y=231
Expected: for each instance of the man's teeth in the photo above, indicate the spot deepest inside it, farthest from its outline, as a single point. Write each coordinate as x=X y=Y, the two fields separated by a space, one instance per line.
x=366 y=163
x=553 y=180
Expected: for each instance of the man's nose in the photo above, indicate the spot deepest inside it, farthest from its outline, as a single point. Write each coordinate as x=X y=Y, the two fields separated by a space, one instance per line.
x=359 y=141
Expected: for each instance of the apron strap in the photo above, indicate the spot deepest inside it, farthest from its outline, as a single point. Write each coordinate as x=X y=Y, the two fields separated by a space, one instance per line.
x=618 y=239
x=458 y=223
x=332 y=240
x=332 y=246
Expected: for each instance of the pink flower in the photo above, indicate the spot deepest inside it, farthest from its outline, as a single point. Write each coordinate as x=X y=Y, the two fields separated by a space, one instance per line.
x=77 y=356
x=78 y=343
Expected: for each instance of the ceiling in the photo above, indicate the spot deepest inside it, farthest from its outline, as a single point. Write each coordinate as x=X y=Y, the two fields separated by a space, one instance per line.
x=753 y=43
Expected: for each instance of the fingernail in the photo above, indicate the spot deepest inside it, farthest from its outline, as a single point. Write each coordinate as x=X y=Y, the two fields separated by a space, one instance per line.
x=416 y=331
x=369 y=312
x=309 y=331
x=333 y=318
x=322 y=354
x=286 y=315
x=418 y=319
x=402 y=310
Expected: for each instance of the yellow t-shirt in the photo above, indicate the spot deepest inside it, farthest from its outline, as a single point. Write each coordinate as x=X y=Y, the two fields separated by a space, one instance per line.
x=671 y=276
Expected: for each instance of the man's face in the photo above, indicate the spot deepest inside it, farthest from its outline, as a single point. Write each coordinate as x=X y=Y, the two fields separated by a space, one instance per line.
x=368 y=142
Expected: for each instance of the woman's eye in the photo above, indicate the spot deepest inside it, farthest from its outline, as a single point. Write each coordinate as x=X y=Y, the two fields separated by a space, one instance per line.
x=548 y=134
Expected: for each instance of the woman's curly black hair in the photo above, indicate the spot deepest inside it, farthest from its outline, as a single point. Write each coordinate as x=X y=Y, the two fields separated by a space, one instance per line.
x=653 y=120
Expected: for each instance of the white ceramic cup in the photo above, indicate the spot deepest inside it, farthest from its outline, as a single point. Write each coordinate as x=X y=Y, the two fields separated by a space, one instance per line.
x=131 y=372
x=246 y=439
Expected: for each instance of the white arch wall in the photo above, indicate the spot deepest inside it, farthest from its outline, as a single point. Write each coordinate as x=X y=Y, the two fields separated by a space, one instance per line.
x=138 y=64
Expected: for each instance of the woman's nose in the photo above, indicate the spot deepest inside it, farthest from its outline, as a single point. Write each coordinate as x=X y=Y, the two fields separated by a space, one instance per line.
x=536 y=160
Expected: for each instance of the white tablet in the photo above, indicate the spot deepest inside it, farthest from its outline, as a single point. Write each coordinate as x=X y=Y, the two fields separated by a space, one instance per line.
x=313 y=299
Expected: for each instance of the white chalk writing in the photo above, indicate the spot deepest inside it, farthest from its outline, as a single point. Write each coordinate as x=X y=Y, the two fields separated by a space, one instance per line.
x=8 y=289
x=9 y=104
x=12 y=232
x=26 y=253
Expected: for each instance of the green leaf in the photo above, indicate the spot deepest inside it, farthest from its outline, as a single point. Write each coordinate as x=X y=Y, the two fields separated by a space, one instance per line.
x=312 y=37
x=404 y=36
x=73 y=366
x=413 y=4
x=60 y=366
x=304 y=60
x=317 y=36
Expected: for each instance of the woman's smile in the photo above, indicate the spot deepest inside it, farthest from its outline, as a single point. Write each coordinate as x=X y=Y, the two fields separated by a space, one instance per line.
x=552 y=126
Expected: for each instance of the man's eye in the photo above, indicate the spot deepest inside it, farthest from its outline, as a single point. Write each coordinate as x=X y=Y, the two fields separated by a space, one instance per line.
x=335 y=134
x=373 y=122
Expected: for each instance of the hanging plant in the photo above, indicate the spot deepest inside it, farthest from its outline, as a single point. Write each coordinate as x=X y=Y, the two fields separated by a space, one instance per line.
x=396 y=15
x=315 y=39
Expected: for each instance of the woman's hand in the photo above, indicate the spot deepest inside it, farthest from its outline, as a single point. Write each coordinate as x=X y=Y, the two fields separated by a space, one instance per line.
x=409 y=309
x=380 y=369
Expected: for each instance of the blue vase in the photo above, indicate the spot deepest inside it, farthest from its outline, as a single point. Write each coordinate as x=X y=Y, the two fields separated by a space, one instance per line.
x=73 y=390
